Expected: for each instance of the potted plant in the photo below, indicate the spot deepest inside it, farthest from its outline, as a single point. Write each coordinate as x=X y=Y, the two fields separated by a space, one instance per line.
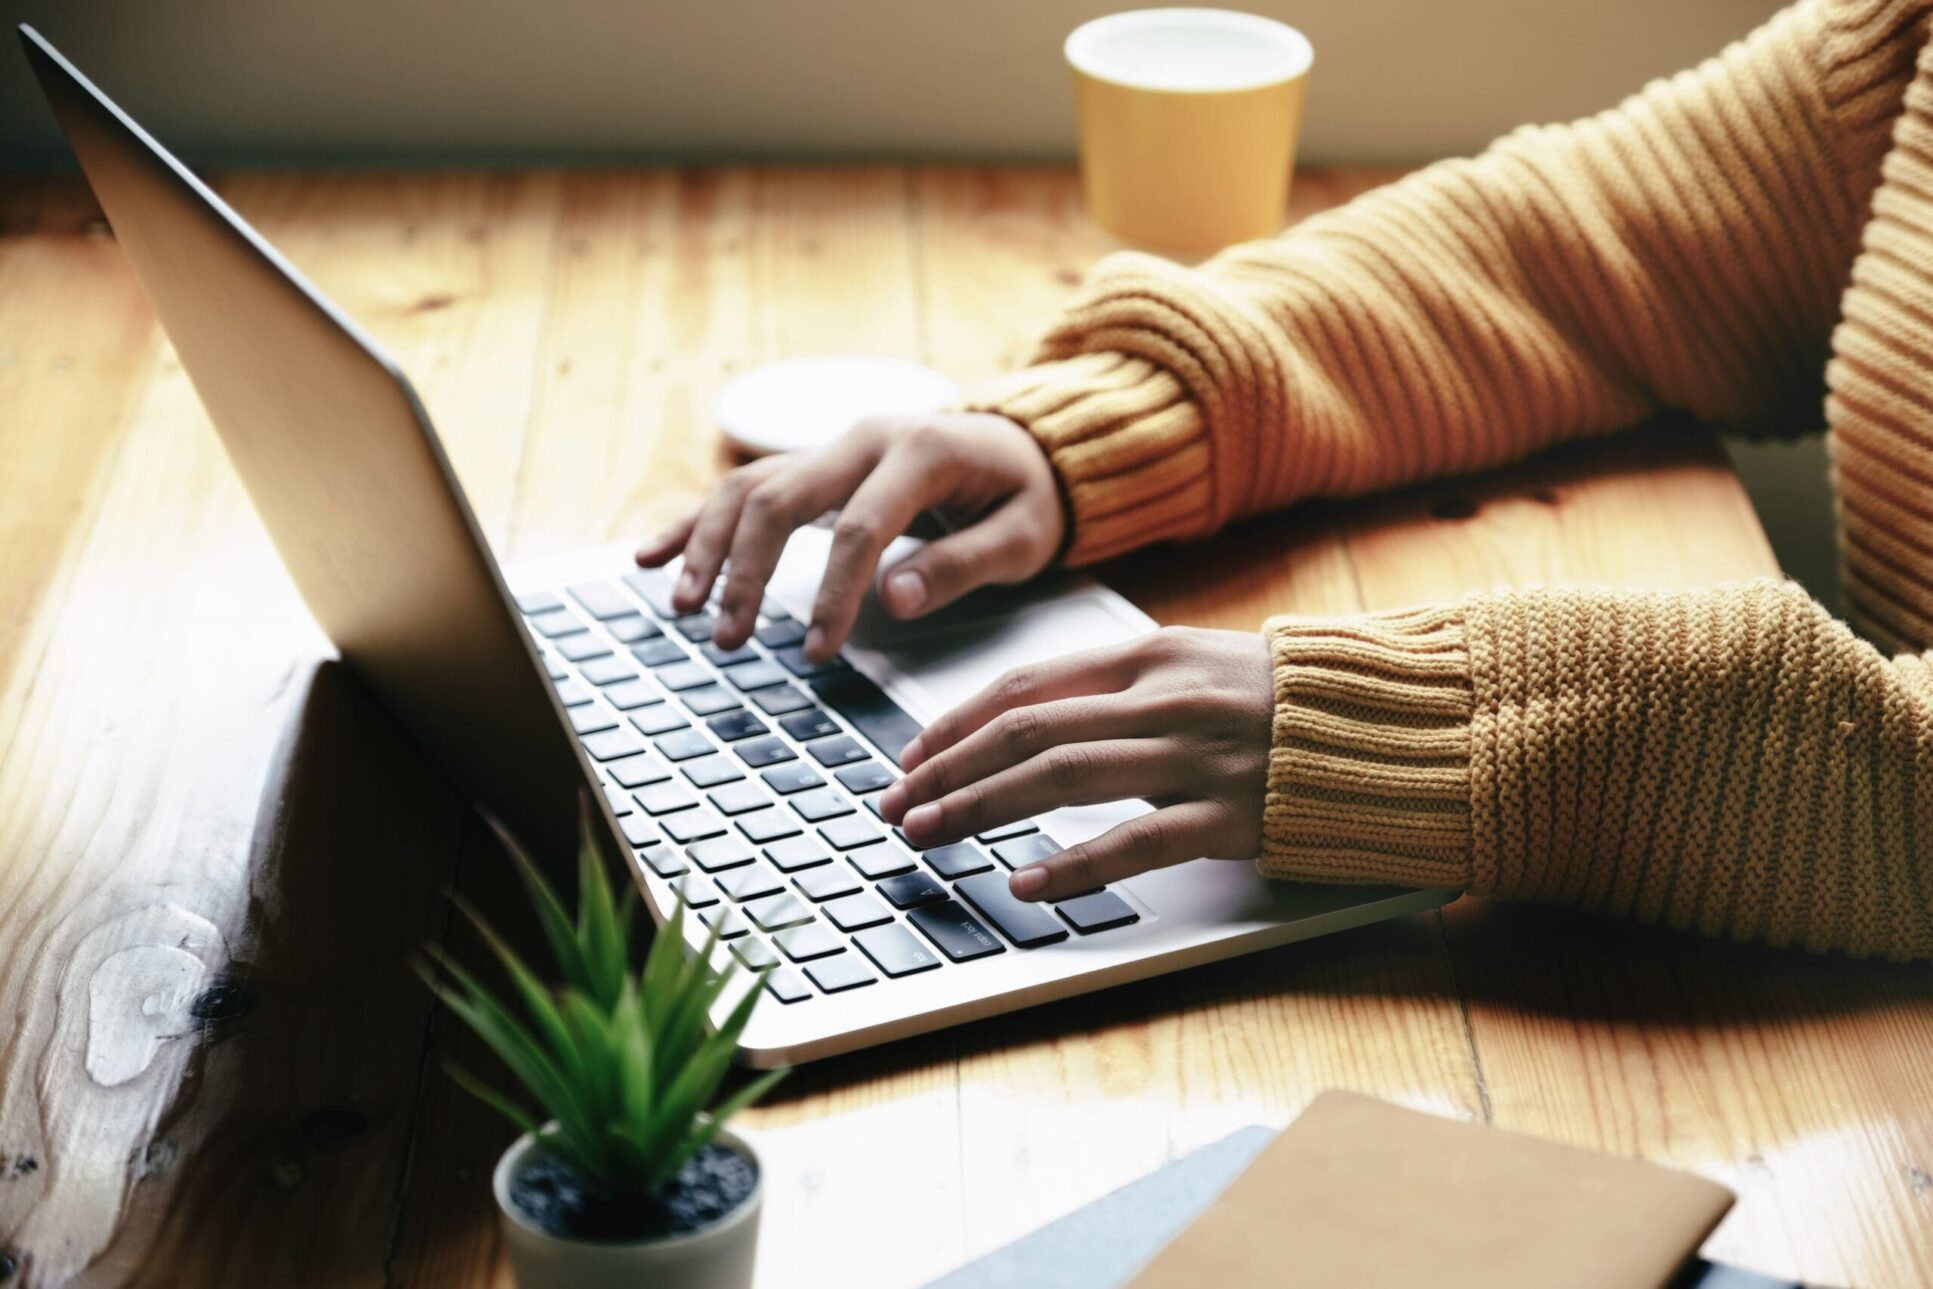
x=634 y=1177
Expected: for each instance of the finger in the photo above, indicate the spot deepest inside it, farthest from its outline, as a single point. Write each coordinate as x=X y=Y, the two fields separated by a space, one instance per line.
x=997 y=549
x=899 y=487
x=1170 y=836
x=1091 y=671
x=1012 y=738
x=1076 y=774
x=669 y=541
x=766 y=521
x=711 y=537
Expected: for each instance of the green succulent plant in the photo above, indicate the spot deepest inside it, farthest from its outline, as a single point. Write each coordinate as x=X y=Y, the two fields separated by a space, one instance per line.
x=625 y=1061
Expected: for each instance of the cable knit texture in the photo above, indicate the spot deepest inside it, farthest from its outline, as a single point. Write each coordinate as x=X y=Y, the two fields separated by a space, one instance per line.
x=1735 y=242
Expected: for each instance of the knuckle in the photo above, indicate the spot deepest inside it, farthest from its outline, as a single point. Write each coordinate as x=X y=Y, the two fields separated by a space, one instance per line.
x=766 y=501
x=1011 y=688
x=853 y=529
x=966 y=804
x=1019 y=729
x=927 y=439
x=1078 y=868
x=1144 y=840
x=1070 y=766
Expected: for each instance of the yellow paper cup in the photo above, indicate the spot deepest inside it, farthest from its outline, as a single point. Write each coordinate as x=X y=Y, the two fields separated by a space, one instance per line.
x=1188 y=121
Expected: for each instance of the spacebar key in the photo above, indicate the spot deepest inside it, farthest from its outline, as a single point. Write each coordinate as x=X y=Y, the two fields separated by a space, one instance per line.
x=873 y=714
x=1027 y=925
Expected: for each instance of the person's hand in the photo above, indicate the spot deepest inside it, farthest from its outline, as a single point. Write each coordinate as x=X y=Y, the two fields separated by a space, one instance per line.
x=978 y=470
x=1181 y=717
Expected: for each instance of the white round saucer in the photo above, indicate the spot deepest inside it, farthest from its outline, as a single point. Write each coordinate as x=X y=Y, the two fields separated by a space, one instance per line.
x=809 y=402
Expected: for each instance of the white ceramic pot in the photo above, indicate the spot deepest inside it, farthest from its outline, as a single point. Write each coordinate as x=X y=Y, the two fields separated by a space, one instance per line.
x=718 y=1256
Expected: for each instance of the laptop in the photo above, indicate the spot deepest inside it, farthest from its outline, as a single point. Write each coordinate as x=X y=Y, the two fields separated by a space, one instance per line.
x=744 y=782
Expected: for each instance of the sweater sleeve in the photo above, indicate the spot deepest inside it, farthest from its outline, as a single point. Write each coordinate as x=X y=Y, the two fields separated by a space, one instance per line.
x=1733 y=761
x=1684 y=250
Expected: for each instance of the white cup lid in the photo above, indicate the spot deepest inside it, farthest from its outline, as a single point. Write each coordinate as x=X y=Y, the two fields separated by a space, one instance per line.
x=808 y=402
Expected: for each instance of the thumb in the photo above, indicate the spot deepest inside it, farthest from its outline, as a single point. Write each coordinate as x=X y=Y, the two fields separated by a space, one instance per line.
x=1003 y=547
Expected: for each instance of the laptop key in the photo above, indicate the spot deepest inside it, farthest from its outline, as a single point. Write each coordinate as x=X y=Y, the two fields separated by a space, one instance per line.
x=557 y=670
x=860 y=779
x=654 y=588
x=808 y=725
x=781 y=632
x=954 y=931
x=776 y=912
x=728 y=657
x=557 y=623
x=1099 y=911
x=733 y=726
x=868 y=709
x=716 y=854
x=695 y=628
x=636 y=771
x=620 y=800
x=572 y=694
x=630 y=630
x=850 y=833
x=1027 y=925
x=1018 y=828
x=856 y=912
x=780 y=699
x=727 y=921
x=680 y=676
x=737 y=798
x=751 y=884
x=767 y=825
x=629 y=695
x=659 y=718
x=659 y=652
x=754 y=953
x=608 y=745
x=664 y=798
x=836 y=751
x=961 y=859
x=786 y=986
x=827 y=882
x=665 y=861
x=637 y=830
x=709 y=700
x=608 y=670
x=589 y=720
x=840 y=972
x=875 y=862
x=584 y=645
x=896 y=951
x=687 y=826
x=754 y=675
x=1027 y=850
x=531 y=603
x=813 y=940
x=682 y=745
x=602 y=600
x=790 y=777
x=760 y=752
x=710 y=771
x=822 y=804
x=791 y=854
x=909 y=890
x=794 y=660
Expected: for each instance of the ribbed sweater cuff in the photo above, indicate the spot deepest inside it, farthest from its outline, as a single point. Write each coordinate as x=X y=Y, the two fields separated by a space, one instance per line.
x=1369 y=774
x=1127 y=444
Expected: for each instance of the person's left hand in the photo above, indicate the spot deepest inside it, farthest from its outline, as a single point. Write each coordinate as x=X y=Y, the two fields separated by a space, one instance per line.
x=1182 y=717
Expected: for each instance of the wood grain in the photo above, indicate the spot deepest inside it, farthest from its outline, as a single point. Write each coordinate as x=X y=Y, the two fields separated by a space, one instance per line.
x=215 y=854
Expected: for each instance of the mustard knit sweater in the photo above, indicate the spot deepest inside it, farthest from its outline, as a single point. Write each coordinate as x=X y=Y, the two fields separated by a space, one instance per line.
x=1733 y=242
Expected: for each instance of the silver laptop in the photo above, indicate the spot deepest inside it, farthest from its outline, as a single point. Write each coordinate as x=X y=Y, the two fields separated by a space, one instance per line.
x=743 y=780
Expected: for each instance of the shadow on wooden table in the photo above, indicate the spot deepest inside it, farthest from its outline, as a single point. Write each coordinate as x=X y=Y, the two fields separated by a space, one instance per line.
x=281 y=1157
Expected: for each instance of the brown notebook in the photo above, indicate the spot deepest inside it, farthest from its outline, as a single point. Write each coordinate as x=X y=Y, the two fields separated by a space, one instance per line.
x=1361 y=1193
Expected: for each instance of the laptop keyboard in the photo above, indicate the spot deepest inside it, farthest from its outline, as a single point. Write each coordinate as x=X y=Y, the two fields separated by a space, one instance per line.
x=749 y=779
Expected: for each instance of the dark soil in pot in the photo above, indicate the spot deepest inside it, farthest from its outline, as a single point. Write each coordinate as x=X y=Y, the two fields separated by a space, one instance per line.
x=563 y=1202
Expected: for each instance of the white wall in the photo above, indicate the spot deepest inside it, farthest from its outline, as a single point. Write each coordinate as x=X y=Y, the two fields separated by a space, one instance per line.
x=508 y=80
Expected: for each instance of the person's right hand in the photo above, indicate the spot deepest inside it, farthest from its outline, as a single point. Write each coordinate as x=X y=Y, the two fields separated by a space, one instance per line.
x=986 y=476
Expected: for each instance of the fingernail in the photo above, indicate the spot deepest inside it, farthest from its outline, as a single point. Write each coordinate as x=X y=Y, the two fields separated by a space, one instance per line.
x=908 y=589
x=922 y=818
x=815 y=643
x=1028 y=882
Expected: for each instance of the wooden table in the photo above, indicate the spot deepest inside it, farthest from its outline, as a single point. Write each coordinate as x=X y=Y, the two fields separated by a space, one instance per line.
x=214 y=853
